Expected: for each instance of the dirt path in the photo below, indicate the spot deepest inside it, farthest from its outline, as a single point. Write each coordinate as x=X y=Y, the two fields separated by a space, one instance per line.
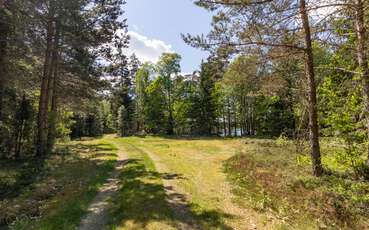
x=176 y=199
x=97 y=217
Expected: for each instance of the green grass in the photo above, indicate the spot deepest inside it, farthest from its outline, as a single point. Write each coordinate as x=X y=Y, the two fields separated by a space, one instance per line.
x=227 y=184
x=271 y=185
x=268 y=177
x=141 y=202
x=60 y=194
x=194 y=166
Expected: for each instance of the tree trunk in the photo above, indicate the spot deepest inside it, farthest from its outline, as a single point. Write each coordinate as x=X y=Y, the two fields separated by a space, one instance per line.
x=244 y=118
x=4 y=30
x=313 y=114
x=2 y=89
x=42 y=119
x=252 y=119
x=19 y=140
x=362 y=59
x=229 y=119
x=235 y=121
x=224 y=123
x=248 y=117
x=51 y=135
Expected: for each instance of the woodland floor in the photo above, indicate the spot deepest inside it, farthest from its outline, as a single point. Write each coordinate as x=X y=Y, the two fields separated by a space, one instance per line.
x=180 y=183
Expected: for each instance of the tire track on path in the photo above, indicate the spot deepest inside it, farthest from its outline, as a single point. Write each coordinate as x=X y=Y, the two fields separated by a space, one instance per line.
x=97 y=216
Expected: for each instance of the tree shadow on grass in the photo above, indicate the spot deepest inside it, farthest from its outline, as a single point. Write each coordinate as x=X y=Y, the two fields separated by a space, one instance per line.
x=16 y=175
x=144 y=199
x=183 y=137
x=71 y=175
x=94 y=152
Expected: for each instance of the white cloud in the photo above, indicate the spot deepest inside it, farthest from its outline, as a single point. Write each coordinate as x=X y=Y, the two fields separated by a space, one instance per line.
x=136 y=28
x=147 y=49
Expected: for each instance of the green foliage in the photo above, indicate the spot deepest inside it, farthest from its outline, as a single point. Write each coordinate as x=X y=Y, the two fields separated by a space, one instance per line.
x=123 y=121
x=206 y=117
x=272 y=116
x=64 y=125
x=182 y=116
x=155 y=112
x=17 y=130
x=201 y=103
x=89 y=124
x=343 y=103
x=93 y=127
x=142 y=82
x=107 y=117
x=78 y=126
x=168 y=68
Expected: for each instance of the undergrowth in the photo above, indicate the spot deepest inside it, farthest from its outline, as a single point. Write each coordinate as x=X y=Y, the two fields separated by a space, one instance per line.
x=272 y=179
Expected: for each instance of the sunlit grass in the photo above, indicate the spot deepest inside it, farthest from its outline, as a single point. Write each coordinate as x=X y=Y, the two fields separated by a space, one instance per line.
x=272 y=184
x=227 y=183
x=61 y=193
x=199 y=162
x=141 y=202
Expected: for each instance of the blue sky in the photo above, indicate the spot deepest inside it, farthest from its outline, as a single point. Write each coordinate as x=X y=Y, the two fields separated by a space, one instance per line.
x=155 y=27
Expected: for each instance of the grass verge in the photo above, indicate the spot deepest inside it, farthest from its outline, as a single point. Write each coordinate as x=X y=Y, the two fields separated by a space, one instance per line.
x=272 y=179
x=60 y=193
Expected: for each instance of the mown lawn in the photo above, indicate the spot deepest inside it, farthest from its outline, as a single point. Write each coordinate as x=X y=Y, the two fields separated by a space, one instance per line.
x=56 y=194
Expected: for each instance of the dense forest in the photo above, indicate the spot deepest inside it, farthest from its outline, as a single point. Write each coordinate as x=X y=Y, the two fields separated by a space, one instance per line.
x=282 y=69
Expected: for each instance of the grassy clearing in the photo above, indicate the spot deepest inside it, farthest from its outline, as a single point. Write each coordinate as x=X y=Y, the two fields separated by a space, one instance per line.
x=273 y=179
x=272 y=187
x=228 y=184
x=197 y=165
x=57 y=194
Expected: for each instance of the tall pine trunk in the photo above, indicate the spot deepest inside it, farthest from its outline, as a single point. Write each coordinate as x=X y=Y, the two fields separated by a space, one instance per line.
x=313 y=114
x=51 y=135
x=362 y=58
x=4 y=31
x=42 y=118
